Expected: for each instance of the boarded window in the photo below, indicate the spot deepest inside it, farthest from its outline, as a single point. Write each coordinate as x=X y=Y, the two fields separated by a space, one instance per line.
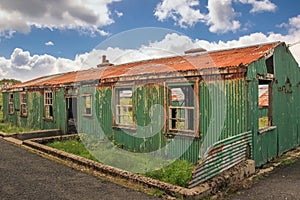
x=23 y=104
x=48 y=103
x=124 y=111
x=181 y=109
x=11 y=103
x=87 y=104
x=264 y=103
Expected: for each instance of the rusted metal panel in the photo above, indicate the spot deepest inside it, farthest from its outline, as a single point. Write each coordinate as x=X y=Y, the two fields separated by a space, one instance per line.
x=284 y=103
x=35 y=111
x=263 y=95
x=206 y=63
x=226 y=104
x=227 y=98
x=286 y=99
x=222 y=155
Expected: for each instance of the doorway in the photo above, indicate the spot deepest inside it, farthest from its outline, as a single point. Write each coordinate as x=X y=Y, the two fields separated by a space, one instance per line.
x=71 y=107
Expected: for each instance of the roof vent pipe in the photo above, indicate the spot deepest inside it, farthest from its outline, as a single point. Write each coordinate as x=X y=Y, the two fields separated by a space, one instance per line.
x=105 y=62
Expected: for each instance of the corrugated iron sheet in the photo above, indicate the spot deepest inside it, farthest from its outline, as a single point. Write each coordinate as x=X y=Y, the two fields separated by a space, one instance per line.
x=221 y=156
x=216 y=59
x=263 y=92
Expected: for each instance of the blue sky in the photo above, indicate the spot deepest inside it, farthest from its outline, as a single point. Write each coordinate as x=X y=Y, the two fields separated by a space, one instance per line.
x=44 y=37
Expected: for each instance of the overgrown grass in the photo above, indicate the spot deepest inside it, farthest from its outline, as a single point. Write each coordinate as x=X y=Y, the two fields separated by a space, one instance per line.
x=9 y=128
x=177 y=173
x=156 y=192
x=72 y=146
x=287 y=161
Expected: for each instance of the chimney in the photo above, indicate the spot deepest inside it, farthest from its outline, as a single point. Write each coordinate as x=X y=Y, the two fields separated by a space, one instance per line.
x=105 y=62
x=104 y=59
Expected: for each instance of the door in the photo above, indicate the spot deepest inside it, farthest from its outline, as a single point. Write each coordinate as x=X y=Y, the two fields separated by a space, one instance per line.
x=71 y=107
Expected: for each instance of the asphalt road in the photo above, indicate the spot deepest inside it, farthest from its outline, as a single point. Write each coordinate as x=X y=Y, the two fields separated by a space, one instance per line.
x=24 y=175
x=281 y=184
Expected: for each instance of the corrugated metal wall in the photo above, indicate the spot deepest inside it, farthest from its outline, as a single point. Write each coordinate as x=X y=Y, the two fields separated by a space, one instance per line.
x=227 y=108
x=226 y=96
x=286 y=99
x=223 y=110
x=35 y=111
x=285 y=106
x=221 y=156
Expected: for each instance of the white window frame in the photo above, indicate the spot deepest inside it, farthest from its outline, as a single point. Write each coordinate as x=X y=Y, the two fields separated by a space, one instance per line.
x=48 y=105
x=23 y=104
x=11 y=103
x=122 y=111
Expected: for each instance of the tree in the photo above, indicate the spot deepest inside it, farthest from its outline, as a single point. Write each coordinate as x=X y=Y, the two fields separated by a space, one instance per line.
x=8 y=82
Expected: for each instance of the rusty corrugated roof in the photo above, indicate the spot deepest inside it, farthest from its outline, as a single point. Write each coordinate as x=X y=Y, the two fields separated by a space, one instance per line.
x=215 y=59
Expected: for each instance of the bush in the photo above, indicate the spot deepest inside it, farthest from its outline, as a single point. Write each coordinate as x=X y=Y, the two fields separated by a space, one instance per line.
x=177 y=173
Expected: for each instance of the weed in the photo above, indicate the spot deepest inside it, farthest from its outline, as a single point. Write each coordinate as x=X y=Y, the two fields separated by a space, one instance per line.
x=72 y=146
x=287 y=161
x=177 y=173
x=156 y=192
x=9 y=128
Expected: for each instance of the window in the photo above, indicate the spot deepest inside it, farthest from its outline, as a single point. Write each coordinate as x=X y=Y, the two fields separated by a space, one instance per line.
x=23 y=101
x=264 y=103
x=11 y=103
x=87 y=104
x=124 y=111
x=181 y=109
x=48 y=103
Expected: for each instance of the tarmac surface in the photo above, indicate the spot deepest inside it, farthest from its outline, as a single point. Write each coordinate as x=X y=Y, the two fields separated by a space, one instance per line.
x=25 y=175
x=283 y=183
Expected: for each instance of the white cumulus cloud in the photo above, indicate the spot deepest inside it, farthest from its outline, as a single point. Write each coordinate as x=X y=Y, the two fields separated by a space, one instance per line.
x=183 y=12
x=24 y=66
x=260 y=5
x=221 y=16
x=49 y=43
x=83 y=15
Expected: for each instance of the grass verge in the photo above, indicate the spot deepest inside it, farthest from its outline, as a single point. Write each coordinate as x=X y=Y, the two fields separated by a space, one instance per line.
x=9 y=128
x=177 y=173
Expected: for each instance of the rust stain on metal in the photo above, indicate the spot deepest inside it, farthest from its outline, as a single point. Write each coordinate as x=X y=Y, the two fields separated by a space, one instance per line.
x=216 y=150
x=263 y=96
x=232 y=58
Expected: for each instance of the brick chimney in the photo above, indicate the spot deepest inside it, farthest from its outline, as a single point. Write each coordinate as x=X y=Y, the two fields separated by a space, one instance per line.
x=105 y=62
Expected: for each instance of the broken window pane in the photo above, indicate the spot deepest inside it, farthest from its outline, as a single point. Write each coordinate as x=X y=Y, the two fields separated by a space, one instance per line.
x=124 y=111
x=181 y=109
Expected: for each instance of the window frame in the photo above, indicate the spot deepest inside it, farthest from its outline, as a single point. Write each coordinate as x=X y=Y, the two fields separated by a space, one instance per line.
x=269 y=107
x=11 y=103
x=48 y=105
x=186 y=131
x=117 y=112
x=84 y=97
x=23 y=105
